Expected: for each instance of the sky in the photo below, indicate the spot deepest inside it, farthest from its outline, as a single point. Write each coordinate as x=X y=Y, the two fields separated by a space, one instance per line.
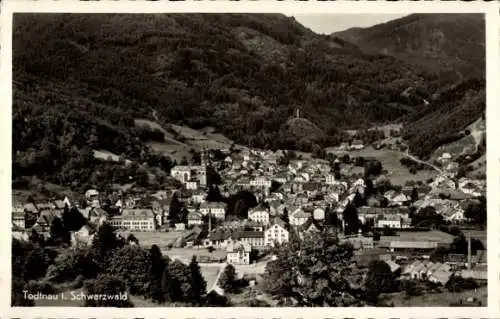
x=329 y=23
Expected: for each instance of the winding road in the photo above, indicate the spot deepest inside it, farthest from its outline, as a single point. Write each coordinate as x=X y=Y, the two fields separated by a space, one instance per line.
x=415 y=159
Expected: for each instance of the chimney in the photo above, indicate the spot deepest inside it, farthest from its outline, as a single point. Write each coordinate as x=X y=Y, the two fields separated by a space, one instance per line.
x=469 y=266
x=209 y=222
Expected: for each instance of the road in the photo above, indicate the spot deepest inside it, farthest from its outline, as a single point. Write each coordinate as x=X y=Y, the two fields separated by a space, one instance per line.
x=415 y=159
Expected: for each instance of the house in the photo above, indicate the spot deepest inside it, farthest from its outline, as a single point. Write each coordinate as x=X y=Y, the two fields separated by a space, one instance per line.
x=309 y=227
x=60 y=205
x=181 y=173
x=191 y=185
x=41 y=207
x=357 y=145
x=30 y=208
x=198 y=196
x=394 y=267
x=330 y=179
x=67 y=202
x=138 y=219
x=194 y=218
x=470 y=188
x=217 y=210
x=389 y=221
x=92 y=198
x=319 y=213
x=399 y=200
x=259 y=214
x=260 y=181
x=298 y=217
x=477 y=273
x=115 y=221
x=82 y=237
x=238 y=253
x=412 y=245
x=360 y=242
x=277 y=233
x=253 y=238
x=44 y=221
x=281 y=178
x=97 y=215
x=440 y=275
x=19 y=216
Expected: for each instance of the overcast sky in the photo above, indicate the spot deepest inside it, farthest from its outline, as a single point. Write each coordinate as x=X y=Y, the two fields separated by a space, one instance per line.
x=329 y=23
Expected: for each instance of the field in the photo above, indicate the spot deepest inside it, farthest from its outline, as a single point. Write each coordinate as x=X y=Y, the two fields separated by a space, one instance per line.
x=390 y=159
x=191 y=140
x=443 y=299
x=161 y=239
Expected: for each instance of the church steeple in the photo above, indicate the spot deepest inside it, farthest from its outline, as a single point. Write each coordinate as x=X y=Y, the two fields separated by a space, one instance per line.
x=297 y=113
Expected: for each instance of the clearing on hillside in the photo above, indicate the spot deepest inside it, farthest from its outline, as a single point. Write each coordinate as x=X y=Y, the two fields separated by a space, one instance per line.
x=390 y=159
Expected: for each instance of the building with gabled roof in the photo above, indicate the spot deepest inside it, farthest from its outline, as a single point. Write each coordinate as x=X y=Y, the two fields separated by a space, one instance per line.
x=259 y=214
x=138 y=219
x=238 y=253
x=276 y=233
x=194 y=218
x=298 y=217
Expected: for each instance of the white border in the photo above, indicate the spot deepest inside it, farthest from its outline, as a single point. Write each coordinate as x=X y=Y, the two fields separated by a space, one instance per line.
x=124 y=6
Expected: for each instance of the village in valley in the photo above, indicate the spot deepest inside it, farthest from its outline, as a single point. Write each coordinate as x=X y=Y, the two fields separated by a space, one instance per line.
x=239 y=206
x=248 y=160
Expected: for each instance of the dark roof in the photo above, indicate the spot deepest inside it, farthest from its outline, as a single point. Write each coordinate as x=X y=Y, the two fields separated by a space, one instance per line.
x=311 y=186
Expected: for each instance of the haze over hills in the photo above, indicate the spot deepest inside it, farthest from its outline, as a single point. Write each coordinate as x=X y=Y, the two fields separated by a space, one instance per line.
x=81 y=82
x=444 y=42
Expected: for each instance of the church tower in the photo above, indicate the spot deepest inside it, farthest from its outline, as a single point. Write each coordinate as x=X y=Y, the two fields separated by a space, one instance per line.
x=202 y=174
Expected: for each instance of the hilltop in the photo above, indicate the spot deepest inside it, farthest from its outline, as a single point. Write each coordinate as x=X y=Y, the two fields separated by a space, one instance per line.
x=85 y=82
x=453 y=43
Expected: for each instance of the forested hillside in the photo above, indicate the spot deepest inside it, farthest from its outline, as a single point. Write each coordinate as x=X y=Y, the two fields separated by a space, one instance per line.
x=81 y=80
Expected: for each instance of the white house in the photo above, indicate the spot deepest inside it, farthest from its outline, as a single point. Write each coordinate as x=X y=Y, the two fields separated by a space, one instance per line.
x=259 y=214
x=319 y=213
x=138 y=219
x=277 y=233
x=298 y=217
x=191 y=185
x=238 y=253
x=198 y=196
x=330 y=179
x=217 y=210
x=391 y=222
x=181 y=173
x=194 y=218
x=261 y=181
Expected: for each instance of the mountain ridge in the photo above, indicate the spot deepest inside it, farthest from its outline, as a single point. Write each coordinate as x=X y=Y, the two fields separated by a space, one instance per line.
x=425 y=39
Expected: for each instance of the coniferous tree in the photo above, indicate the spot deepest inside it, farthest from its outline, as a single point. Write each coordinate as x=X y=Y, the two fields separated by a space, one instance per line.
x=155 y=275
x=227 y=280
x=351 y=220
x=175 y=211
x=285 y=216
x=58 y=233
x=358 y=200
x=166 y=284
x=198 y=283
x=105 y=241
x=414 y=195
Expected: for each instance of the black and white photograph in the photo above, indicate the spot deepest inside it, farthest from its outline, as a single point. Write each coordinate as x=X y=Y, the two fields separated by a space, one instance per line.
x=248 y=160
